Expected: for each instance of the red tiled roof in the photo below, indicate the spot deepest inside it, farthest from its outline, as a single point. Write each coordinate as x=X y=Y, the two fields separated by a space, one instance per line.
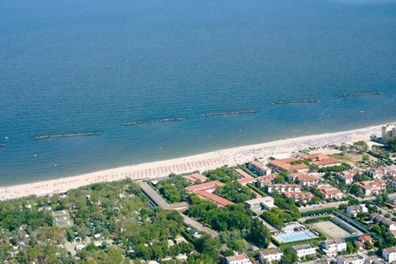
x=237 y=257
x=195 y=177
x=299 y=195
x=285 y=164
x=368 y=185
x=265 y=179
x=244 y=174
x=321 y=159
x=204 y=186
x=220 y=201
x=328 y=189
x=303 y=177
x=246 y=180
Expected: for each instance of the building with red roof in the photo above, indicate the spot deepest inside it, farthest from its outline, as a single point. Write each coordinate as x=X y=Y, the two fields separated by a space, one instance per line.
x=371 y=187
x=195 y=178
x=207 y=186
x=305 y=179
x=245 y=177
x=322 y=160
x=330 y=192
x=259 y=168
x=289 y=165
x=303 y=197
x=238 y=259
x=347 y=176
x=262 y=181
x=219 y=201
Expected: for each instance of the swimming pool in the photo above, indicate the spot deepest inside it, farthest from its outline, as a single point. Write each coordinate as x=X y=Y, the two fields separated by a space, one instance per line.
x=296 y=236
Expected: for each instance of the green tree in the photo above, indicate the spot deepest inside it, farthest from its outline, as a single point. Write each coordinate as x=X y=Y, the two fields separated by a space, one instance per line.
x=209 y=246
x=289 y=256
x=273 y=219
x=259 y=234
x=360 y=146
x=235 y=192
x=391 y=144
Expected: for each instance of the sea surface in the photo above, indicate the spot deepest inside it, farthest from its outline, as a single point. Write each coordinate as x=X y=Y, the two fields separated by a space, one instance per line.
x=91 y=65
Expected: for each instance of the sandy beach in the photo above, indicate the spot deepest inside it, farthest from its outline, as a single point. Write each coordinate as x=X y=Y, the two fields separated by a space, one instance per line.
x=201 y=162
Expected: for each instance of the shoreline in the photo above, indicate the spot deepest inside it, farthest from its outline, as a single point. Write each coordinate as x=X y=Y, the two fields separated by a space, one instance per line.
x=199 y=162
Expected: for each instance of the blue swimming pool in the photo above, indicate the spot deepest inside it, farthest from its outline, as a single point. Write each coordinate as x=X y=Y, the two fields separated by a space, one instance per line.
x=296 y=236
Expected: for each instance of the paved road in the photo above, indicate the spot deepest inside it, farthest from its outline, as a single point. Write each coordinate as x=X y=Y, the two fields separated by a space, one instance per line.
x=158 y=200
x=198 y=226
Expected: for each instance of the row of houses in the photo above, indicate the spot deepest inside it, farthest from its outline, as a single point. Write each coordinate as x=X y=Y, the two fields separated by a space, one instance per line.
x=302 y=164
x=331 y=248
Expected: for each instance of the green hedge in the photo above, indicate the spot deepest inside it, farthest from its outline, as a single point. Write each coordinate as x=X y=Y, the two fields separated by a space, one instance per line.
x=318 y=212
x=256 y=189
x=318 y=219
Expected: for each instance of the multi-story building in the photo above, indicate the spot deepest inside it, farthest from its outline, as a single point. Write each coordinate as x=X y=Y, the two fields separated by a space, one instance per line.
x=353 y=210
x=330 y=192
x=259 y=168
x=332 y=247
x=352 y=259
x=238 y=259
x=267 y=256
x=347 y=176
x=259 y=204
x=303 y=197
x=389 y=254
x=377 y=218
x=304 y=250
x=282 y=188
x=388 y=131
x=371 y=187
x=305 y=179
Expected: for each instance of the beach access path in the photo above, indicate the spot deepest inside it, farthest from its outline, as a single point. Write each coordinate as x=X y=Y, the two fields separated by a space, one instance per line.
x=200 y=162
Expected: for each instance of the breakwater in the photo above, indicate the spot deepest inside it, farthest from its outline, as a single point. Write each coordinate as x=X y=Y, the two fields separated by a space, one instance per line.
x=358 y=94
x=152 y=121
x=305 y=101
x=67 y=135
x=252 y=111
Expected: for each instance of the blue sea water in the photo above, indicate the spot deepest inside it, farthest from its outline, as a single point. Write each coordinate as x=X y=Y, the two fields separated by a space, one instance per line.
x=87 y=65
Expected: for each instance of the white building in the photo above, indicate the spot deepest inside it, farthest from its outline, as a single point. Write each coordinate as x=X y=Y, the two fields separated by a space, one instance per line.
x=269 y=255
x=352 y=259
x=332 y=247
x=389 y=254
x=304 y=250
x=238 y=259
x=353 y=210
x=259 y=169
x=259 y=204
